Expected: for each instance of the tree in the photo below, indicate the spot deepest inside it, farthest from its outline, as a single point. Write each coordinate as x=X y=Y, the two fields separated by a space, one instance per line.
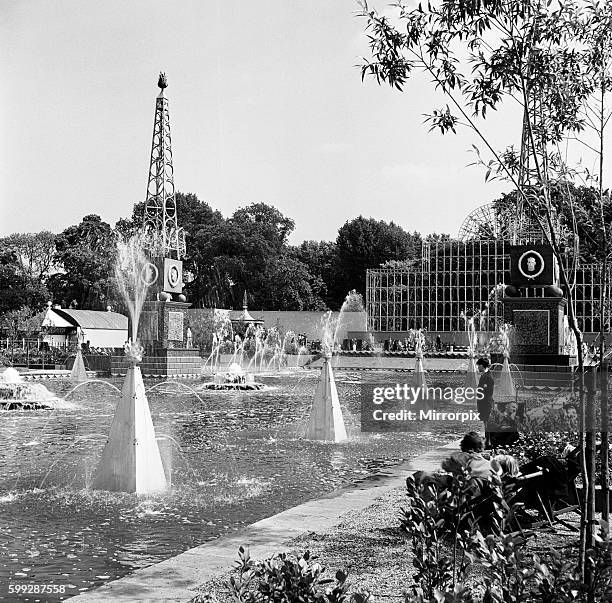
x=200 y=222
x=480 y=54
x=264 y=222
x=13 y=287
x=364 y=243
x=596 y=35
x=30 y=257
x=249 y=251
x=289 y=285
x=86 y=254
x=578 y=206
x=319 y=257
x=35 y=253
x=23 y=322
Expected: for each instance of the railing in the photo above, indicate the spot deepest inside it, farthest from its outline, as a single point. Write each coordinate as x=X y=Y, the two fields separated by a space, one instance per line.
x=38 y=354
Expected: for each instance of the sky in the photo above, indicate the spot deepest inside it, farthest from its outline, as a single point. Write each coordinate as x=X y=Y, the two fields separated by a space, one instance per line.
x=266 y=105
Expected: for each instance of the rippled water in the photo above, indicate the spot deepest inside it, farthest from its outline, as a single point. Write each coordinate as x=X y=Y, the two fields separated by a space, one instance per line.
x=235 y=457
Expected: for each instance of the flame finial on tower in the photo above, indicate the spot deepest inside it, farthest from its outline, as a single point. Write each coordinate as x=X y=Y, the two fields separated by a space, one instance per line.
x=162 y=82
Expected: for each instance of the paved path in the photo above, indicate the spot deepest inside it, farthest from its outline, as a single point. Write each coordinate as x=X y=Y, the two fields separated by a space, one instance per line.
x=177 y=578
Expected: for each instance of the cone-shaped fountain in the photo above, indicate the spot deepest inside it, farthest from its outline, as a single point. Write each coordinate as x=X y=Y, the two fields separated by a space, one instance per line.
x=471 y=375
x=419 y=378
x=504 y=386
x=326 y=421
x=131 y=461
x=78 y=372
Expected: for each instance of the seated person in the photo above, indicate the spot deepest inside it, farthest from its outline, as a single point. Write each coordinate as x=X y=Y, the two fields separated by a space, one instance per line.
x=472 y=459
x=504 y=431
x=508 y=464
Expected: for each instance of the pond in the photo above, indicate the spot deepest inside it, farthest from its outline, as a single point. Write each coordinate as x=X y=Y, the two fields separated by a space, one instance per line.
x=235 y=458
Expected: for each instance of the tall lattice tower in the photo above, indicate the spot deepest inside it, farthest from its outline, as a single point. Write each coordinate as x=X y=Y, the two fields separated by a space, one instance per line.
x=533 y=162
x=526 y=226
x=166 y=239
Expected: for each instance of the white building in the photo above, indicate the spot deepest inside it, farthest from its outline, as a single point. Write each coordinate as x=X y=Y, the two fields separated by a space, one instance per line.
x=97 y=329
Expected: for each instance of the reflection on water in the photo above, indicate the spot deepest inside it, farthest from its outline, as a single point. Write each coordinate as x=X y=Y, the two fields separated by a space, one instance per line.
x=235 y=457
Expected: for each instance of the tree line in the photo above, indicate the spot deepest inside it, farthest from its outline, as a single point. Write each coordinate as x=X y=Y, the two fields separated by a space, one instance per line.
x=248 y=250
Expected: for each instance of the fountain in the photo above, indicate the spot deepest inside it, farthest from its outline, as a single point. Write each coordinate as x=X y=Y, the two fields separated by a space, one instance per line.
x=131 y=461
x=504 y=386
x=257 y=351
x=326 y=422
x=419 y=379
x=78 y=372
x=471 y=375
x=15 y=394
x=235 y=378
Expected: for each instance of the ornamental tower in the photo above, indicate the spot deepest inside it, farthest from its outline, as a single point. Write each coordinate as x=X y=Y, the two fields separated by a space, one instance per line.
x=163 y=322
x=160 y=220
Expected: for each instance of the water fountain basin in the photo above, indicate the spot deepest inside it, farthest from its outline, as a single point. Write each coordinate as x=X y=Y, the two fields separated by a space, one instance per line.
x=235 y=378
x=15 y=394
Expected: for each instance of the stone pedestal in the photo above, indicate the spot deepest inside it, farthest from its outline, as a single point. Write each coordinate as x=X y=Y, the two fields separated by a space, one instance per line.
x=538 y=342
x=162 y=325
x=538 y=326
x=162 y=331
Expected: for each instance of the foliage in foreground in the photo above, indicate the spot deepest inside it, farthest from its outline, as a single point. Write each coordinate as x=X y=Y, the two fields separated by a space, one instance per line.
x=445 y=551
x=446 y=544
x=283 y=578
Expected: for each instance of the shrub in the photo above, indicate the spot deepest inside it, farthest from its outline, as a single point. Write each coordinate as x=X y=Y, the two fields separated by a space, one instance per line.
x=283 y=578
x=531 y=446
x=442 y=522
x=445 y=541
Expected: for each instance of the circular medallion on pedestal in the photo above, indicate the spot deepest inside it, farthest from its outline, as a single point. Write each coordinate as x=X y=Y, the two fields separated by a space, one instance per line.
x=531 y=264
x=174 y=276
x=149 y=274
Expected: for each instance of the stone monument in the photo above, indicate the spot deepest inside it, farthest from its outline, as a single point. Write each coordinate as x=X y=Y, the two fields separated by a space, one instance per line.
x=539 y=347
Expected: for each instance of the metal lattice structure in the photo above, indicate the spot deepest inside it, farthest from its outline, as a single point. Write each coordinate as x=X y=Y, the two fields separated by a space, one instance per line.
x=455 y=277
x=486 y=222
x=164 y=236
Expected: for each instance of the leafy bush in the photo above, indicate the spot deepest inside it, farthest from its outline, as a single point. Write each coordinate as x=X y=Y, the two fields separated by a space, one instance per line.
x=283 y=578
x=442 y=522
x=531 y=446
x=446 y=541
